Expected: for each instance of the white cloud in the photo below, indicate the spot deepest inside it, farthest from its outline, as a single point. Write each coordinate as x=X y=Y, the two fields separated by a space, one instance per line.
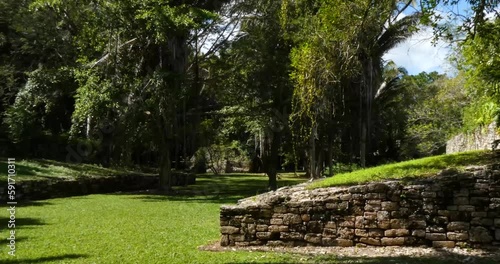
x=418 y=54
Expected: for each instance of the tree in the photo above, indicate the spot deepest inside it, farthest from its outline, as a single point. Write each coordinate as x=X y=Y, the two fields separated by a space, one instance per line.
x=337 y=68
x=252 y=74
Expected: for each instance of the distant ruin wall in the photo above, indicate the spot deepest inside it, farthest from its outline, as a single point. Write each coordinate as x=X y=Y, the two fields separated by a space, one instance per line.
x=56 y=187
x=480 y=139
x=451 y=209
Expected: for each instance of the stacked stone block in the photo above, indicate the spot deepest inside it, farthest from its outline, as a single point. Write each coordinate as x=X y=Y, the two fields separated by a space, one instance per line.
x=452 y=209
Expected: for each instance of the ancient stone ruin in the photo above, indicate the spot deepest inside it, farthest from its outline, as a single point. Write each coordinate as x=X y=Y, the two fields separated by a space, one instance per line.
x=448 y=210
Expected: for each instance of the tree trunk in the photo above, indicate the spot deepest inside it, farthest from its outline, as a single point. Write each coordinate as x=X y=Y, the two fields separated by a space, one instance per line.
x=312 y=153
x=272 y=161
x=165 y=168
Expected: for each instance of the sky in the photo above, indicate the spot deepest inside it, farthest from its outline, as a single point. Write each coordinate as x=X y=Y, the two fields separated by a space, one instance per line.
x=418 y=54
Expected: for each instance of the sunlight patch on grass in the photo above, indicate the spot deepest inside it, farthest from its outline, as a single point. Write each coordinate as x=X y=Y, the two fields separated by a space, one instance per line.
x=413 y=168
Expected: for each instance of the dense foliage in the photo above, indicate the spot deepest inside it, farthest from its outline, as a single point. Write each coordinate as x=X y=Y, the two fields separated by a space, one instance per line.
x=256 y=85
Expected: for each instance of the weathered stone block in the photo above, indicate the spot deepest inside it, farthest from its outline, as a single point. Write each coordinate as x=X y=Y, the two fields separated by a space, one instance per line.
x=429 y=194
x=466 y=208
x=344 y=242
x=374 y=196
x=443 y=212
x=377 y=187
x=361 y=232
x=291 y=236
x=348 y=222
x=390 y=206
x=399 y=223
x=263 y=235
x=328 y=232
x=481 y=221
x=479 y=201
x=479 y=214
x=306 y=217
x=345 y=233
x=480 y=235
x=384 y=224
x=397 y=241
x=357 y=189
x=461 y=193
x=229 y=230
x=289 y=219
x=458 y=226
x=224 y=240
x=461 y=201
x=346 y=197
x=375 y=232
x=457 y=236
x=496 y=222
x=370 y=241
x=314 y=227
x=417 y=224
x=435 y=229
x=418 y=233
x=237 y=238
x=261 y=228
x=313 y=238
x=443 y=244
x=372 y=208
x=383 y=215
x=276 y=221
x=331 y=225
x=396 y=232
x=435 y=236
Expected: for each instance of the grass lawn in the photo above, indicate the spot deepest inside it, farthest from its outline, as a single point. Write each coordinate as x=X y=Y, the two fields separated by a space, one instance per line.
x=408 y=169
x=42 y=169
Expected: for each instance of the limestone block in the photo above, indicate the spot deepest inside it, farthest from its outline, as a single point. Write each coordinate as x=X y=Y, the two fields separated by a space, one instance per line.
x=457 y=236
x=443 y=244
x=370 y=241
x=435 y=236
x=390 y=206
x=480 y=235
x=313 y=238
x=396 y=241
x=396 y=232
x=229 y=230
x=458 y=226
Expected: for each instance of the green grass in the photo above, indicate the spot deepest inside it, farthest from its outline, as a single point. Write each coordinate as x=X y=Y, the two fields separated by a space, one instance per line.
x=149 y=228
x=408 y=169
x=42 y=169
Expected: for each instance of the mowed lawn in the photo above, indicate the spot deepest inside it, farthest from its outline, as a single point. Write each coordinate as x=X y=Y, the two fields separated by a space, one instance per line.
x=134 y=228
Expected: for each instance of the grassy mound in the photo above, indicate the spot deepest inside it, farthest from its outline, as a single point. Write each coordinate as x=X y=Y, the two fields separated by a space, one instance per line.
x=39 y=169
x=408 y=169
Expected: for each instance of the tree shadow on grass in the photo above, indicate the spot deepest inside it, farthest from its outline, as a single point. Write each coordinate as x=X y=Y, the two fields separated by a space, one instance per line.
x=13 y=260
x=219 y=189
x=34 y=203
x=20 y=222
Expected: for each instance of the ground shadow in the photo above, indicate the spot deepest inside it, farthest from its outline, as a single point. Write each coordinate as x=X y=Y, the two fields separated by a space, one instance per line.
x=20 y=222
x=14 y=260
x=220 y=189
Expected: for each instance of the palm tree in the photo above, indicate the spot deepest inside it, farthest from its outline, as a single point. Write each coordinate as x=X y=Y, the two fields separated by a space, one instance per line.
x=372 y=62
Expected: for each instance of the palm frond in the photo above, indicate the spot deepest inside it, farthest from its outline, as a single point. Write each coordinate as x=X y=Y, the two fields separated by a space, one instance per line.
x=397 y=33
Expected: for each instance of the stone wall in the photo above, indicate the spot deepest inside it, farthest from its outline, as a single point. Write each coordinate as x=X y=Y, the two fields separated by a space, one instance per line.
x=451 y=209
x=57 y=187
x=480 y=139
